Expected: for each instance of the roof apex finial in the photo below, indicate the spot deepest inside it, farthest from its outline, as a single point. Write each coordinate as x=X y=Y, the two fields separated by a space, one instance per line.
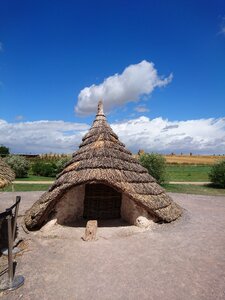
x=100 y=107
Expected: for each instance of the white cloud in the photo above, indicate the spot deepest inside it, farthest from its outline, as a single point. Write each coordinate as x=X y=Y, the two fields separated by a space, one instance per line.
x=42 y=136
x=135 y=81
x=141 y=108
x=198 y=136
x=1 y=47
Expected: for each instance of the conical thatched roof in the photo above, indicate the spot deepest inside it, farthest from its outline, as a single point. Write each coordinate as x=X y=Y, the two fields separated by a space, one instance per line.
x=6 y=174
x=102 y=158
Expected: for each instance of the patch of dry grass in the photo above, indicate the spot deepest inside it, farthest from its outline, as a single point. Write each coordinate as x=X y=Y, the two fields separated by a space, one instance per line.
x=193 y=160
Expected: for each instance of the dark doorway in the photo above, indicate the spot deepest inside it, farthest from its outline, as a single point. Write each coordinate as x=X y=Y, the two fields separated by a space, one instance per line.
x=101 y=202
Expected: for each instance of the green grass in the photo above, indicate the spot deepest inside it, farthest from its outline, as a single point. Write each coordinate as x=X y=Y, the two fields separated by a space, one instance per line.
x=194 y=189
x=35 y=178
x=188 y=172
x=26 y=188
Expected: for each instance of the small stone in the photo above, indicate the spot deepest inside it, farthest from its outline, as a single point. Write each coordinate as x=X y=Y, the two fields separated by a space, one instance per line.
x=142 y=222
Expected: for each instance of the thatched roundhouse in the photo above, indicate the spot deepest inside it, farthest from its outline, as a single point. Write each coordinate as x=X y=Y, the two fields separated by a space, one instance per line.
x=102 y=181
x=6 y=174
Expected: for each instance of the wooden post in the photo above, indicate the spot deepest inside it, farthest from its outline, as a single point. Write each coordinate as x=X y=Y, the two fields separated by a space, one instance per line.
x=90 y=231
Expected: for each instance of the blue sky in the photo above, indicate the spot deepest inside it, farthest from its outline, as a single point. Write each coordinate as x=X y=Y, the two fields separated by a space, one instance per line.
x=51 y=50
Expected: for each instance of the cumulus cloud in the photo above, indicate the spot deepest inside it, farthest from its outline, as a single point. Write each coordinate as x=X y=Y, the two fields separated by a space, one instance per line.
x=203 y=136
x=41 y=136
x=135 y=81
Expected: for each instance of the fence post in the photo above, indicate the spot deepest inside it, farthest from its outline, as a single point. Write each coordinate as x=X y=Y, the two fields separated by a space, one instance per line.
x=10 y=248
x=12 y=282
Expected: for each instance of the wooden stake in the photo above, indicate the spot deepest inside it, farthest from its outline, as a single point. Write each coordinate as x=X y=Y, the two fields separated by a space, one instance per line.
x=90 y=231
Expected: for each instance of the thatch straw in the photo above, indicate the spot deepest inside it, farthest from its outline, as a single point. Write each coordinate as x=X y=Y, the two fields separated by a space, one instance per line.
x=102 y=158
x=6 y=174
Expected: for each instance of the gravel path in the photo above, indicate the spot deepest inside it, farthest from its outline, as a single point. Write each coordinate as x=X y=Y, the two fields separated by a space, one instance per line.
x=180 y=261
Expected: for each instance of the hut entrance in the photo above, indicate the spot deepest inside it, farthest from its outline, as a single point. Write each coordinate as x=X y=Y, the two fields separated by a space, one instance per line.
x=101 y=202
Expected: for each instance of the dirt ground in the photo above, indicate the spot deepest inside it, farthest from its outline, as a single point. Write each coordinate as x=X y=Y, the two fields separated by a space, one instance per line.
x=181 y=261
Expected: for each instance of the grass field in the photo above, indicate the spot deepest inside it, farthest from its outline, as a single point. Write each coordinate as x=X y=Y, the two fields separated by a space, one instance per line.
x=25 y=188
x=187 y=172
x=35 y=178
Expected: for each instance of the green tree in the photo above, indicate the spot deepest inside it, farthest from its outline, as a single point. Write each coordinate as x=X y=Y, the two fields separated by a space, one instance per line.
x=217 y=174
x=19 y=164
x=155 y=164
x=47 y=169
x=60 y=164
x=4 y=151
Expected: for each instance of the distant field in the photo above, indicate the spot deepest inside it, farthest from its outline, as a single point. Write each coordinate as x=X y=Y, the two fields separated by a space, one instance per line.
x=194 y=159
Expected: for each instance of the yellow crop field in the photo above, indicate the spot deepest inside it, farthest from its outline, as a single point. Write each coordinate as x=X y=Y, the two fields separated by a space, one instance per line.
x=194 y=159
